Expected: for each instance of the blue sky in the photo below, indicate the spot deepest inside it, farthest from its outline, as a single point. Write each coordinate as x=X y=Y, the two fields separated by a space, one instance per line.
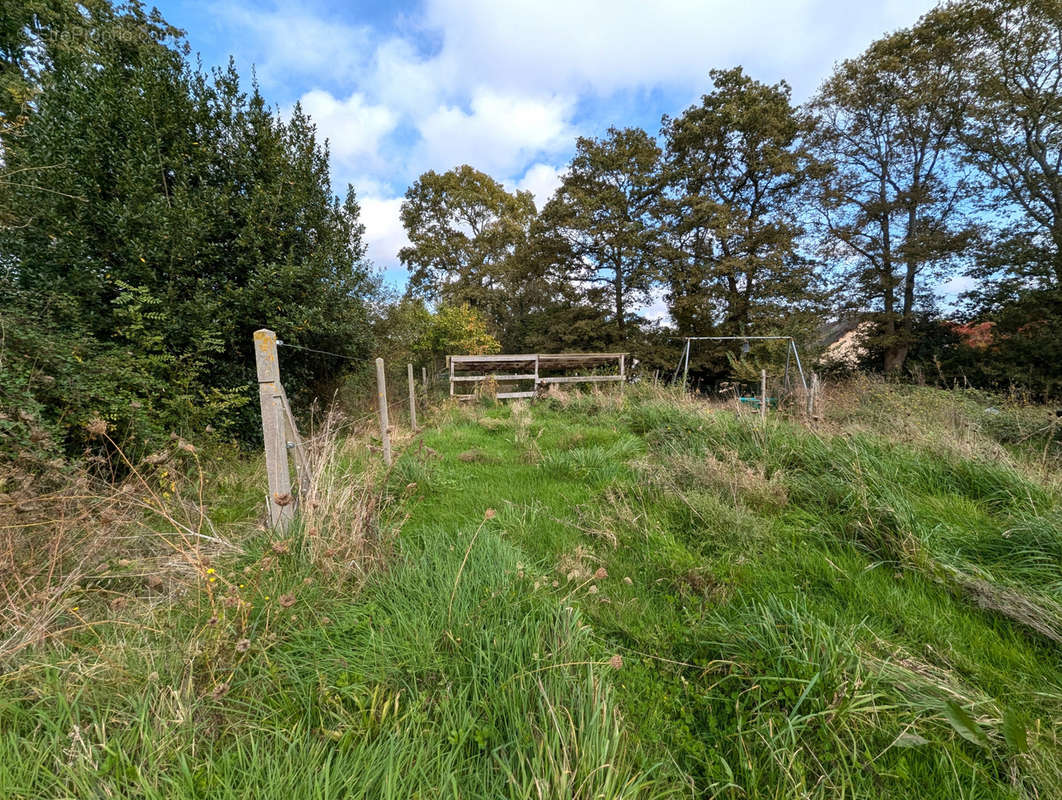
x=507 y=85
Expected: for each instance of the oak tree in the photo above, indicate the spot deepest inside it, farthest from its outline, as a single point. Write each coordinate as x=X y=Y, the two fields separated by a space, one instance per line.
x=468 y=239
x=598 y=228
x=1012 y=133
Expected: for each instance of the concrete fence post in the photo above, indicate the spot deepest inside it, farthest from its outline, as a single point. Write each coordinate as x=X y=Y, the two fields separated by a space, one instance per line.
x=381 y=402
x=274 y=429
x=412 y=399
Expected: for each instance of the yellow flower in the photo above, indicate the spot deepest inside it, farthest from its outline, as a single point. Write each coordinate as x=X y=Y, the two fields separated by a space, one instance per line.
x=210 y=571
x=75 y=608
x=213 y=579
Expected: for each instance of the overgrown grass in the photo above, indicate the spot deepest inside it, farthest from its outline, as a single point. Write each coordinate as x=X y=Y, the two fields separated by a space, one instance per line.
x=334 y=662
x=801 y=613
x=596 y=596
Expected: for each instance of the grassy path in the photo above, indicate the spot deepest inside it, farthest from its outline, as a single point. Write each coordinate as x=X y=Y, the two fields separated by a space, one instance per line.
x=796 y=615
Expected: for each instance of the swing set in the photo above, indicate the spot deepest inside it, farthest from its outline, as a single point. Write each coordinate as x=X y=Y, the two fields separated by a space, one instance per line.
x=792 y=355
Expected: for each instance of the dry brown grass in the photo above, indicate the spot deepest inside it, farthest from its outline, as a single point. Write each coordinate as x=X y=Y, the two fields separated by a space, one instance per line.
x=740 y=483
x=345 y=517
x=150 y=533
x=78 y=551
x=959 y=424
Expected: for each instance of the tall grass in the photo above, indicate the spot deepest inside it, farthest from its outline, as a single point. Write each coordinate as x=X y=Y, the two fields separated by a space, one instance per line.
x=803 y=611
x=318 y=664
x=598 y=595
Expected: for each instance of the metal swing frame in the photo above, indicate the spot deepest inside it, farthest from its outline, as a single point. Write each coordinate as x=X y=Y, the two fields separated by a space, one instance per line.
x=790 y=353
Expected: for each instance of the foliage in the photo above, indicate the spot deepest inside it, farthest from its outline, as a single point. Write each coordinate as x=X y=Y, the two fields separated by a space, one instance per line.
x=597 y=230
x=411 y=332
x=460 y=330
x=886 y=125
x=734 y=171
x=468 y=242
x=1012 y=64
x=166 y=216
x=1011 y=133
x=1020 y=349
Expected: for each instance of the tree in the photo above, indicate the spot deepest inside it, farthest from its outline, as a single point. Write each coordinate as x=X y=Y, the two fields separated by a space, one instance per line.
x=467 y=238
x=410 y=332
x=35 y=33
x=169 y=216
x=734 y=169
x=597 y=229
x=459 y=330
x=892 y=204
x=1012 y=58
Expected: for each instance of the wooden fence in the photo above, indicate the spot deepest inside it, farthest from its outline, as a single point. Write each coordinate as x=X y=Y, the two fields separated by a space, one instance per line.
x=529 y=368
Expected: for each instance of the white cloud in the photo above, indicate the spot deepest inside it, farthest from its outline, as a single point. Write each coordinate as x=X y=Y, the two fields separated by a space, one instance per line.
x=505 y=86
x=498 y=134
x=656 y=309
x=956 y=286
x=411 y=83
x=354 y=127
x=606 y=45
x=384 y=233
x=288 y=42
x=542 y=180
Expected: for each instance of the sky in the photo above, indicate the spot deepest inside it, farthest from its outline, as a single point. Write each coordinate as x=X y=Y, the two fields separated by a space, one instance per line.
x=507 y=85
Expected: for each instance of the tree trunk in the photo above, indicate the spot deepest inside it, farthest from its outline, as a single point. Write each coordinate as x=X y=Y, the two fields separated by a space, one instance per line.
x=1056 y=235
x=896 y=354
x=732 y=323
x=894 y=358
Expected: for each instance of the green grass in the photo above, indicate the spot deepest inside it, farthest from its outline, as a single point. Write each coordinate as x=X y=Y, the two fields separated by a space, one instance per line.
x=799 y=614
x=863 y=610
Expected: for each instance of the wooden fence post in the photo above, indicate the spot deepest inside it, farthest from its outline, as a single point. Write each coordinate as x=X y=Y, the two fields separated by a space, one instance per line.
x=812 y=396
x=381 y=402
x=763 y=395
x=412 y=399
x=274 y=428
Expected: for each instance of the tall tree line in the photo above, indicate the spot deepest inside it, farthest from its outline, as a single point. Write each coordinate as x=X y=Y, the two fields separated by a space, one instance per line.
x=934 y=154
x=152 y=214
